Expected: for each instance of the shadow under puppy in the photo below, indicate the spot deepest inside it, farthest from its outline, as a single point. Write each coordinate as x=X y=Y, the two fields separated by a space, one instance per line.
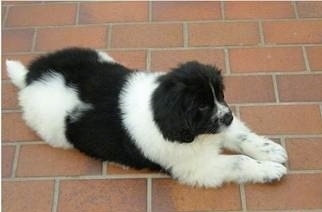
x=176 y=121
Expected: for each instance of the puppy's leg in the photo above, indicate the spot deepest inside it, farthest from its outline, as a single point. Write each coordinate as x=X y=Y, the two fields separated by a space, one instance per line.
x=238 y=137
x=104 y=57
x=214 y=171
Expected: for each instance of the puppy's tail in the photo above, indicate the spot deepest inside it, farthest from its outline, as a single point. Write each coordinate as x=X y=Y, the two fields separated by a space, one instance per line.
x=17 y=73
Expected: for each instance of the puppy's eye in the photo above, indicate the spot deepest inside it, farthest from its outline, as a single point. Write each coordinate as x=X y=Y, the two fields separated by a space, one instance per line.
x=203 y=107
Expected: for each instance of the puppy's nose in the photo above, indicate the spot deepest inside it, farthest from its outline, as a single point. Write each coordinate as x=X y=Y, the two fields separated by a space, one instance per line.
x=227 y=119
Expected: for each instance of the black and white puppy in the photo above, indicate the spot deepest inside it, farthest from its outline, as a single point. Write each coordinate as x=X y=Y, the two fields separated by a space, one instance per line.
x=176 y=121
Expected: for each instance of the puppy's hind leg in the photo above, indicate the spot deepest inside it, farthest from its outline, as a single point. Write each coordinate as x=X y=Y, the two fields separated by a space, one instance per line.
x=238 y=137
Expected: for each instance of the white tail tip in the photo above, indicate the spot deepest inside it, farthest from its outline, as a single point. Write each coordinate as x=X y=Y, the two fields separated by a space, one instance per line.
x=17 y=73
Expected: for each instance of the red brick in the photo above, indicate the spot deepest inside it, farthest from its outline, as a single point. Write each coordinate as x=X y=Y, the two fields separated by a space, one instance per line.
x=315 y=58
x=9 y=96
x=102 y=195
x=102 y=12
x=113 y=169
x=185 y=11
x=7 y=157
x=246 y=89
x=24 y=58
x=309 y=9
x=55 y=38
x=43 y=160
x=293 y=32
x=283 y=119
x=130 y=59
x=167 y=59
x=304 y=153
x=228 y=33
x=17 y=40
x=301 y=191
x=147 y=35
x=168 y=195
x=266 y=59
x=15 y=129
x=41 y=15
x=258 y=10
x=27 y=196
x=300 y=87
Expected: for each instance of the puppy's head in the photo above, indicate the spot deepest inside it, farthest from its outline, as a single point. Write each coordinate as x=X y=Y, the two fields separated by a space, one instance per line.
x=189 y=101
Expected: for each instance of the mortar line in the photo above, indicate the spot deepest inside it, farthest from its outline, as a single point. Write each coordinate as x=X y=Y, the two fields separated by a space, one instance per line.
x=104 y=168
x=261 y=33
x=227 y=61
x=275 y=87
x=90 y=177
x=237 y=111
x=149 y=195
x=235 y=46
x=77 y=13
x=261 y=104
x=13 y=143
x=222 y=10
x=306 y=60
x=150 y=11
x=34 y=40
x=168 y=22
x=56 y=196
x=11 y=111
x=15 y=161
x=109 y=36
x=243 y=197
x=148 y=60
x=4 y=21
x=295 y=9
x=303 y=171
x=283 y=143
x=185 y=35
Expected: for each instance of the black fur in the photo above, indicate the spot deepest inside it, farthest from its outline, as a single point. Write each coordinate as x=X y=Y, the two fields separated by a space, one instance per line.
x=182 y=104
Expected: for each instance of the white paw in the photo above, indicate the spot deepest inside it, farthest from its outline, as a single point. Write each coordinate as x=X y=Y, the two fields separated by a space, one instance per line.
x=269 y=150
x=269 y=171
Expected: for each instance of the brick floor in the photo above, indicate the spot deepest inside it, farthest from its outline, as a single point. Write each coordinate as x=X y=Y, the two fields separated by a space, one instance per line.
x=270 y=53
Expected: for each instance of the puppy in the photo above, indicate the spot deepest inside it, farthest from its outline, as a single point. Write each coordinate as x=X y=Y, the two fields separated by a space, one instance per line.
x=177 y=122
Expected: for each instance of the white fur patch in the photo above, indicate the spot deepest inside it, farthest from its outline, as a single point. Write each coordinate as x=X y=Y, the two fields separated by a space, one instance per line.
x=45 y=104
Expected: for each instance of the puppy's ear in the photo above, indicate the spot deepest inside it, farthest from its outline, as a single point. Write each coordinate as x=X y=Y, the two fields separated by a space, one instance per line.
x=168 y=111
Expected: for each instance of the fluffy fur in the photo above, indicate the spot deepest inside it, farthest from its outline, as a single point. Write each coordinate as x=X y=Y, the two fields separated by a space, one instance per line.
x=177 y=122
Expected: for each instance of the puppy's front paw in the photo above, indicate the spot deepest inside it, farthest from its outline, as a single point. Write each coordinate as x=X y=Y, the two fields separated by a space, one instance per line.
x=270 y=171
x=268 y=150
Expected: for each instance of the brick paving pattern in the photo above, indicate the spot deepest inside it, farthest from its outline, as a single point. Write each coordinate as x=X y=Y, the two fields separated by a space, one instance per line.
x=270 y=54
